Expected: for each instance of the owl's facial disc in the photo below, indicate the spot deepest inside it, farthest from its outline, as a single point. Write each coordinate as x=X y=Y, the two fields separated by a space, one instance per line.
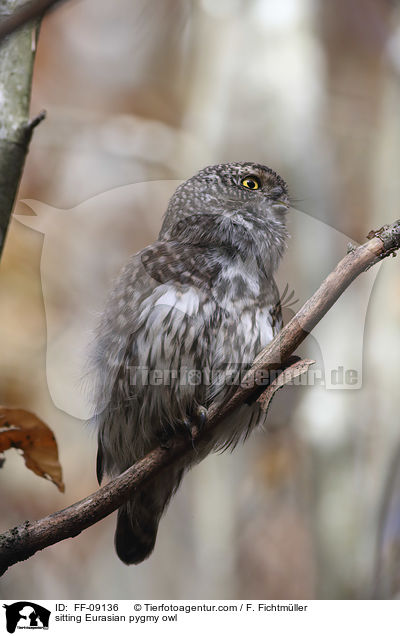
x=239 y=186
x=217 y=204
x=263 y=182
x=254 y=189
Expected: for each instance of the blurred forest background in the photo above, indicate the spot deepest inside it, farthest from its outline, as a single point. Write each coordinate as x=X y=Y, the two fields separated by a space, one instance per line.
x=143 y=90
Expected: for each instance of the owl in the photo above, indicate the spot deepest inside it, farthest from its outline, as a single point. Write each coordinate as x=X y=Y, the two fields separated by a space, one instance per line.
x=182 y=323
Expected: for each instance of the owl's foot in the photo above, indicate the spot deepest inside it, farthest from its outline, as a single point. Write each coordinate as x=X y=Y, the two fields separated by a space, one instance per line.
x=185 y=428
x=165 y=439
x=198 y=419
x=182 y=429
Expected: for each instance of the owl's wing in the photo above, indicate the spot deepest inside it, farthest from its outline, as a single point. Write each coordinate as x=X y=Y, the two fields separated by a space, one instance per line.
x=154 y=318
x=165 y=273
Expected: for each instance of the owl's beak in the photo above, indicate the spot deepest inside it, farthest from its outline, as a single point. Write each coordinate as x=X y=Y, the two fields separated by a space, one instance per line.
x=281 y=205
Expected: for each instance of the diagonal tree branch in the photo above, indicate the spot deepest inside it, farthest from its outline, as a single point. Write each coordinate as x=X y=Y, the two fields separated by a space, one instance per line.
x=23 y=541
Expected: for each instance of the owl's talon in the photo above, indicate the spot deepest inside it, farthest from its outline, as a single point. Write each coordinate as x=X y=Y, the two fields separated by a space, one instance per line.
x=201 y=417
x=187 y=425
x=198 y=419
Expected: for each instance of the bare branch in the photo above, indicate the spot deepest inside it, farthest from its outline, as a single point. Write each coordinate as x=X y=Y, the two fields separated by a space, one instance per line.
x=23 y=541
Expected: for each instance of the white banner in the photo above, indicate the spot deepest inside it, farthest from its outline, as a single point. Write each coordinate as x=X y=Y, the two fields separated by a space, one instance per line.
x=176 y=617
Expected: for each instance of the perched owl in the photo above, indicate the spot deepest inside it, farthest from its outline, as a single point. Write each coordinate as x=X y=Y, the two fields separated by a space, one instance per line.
x=183 y=322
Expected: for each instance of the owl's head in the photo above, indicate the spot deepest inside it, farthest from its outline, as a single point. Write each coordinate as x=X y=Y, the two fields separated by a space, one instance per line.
x=238 y=206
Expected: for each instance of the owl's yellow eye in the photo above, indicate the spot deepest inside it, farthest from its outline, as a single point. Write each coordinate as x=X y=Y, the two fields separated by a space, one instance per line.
x=251 y=183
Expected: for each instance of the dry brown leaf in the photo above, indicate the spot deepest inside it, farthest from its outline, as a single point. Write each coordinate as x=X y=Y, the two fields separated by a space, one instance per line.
x=283 y=378
x=22 y=429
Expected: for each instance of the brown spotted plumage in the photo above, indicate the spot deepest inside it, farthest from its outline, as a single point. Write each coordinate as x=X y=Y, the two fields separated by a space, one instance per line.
x=186 y=317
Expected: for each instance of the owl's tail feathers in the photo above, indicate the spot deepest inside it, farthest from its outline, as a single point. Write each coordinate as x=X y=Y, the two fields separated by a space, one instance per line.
x=134 y=537
x=138 y=519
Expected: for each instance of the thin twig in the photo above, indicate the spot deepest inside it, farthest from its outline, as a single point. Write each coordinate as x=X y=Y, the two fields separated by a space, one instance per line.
x=23 y=541
x=32 y=123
